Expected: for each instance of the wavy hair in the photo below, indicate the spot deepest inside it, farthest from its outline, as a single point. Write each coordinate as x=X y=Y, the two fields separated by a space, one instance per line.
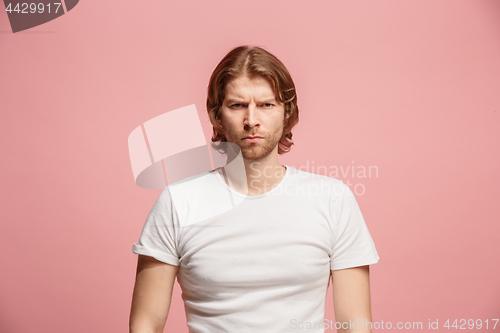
x=252 y=62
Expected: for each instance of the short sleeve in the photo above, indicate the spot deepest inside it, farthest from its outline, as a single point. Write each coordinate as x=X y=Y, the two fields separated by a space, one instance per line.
x=158 y=238
x=352 y=243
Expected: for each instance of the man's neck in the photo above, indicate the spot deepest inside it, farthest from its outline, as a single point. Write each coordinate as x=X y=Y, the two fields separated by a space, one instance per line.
x=253 y=177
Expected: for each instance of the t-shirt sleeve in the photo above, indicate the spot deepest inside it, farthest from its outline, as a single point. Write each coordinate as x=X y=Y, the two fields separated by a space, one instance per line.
x=159 y=235
x=352 y=243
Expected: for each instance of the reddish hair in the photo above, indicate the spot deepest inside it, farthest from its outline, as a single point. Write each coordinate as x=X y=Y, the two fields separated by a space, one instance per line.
x=253 y=62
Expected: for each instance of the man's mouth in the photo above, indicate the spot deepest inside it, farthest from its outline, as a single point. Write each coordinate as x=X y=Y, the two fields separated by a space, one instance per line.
x=252 y=138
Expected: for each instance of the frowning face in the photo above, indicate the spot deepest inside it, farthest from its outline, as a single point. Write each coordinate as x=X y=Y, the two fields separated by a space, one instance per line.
x=250 y=109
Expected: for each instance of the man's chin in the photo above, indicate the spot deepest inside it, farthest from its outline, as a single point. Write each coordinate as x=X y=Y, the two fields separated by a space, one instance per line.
x=254 y=153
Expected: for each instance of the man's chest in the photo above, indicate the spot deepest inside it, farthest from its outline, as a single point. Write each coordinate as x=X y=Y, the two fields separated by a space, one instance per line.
x=257 y=249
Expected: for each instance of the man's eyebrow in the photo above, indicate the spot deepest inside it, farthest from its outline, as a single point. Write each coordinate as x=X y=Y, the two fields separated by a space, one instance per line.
x=267 y=100
x=232 y=100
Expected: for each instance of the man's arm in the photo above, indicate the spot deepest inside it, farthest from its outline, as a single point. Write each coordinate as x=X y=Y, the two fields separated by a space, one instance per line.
x=152 y=294
x=351 y=299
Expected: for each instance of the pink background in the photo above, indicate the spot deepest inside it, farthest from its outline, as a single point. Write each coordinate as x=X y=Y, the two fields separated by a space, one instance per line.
x=411 y=87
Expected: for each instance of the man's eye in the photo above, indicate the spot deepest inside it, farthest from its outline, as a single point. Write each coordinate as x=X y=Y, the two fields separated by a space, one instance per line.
x=235 y=105
x=268 y=105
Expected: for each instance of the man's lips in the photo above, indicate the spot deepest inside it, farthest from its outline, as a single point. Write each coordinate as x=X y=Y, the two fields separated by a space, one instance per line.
x=252 y=139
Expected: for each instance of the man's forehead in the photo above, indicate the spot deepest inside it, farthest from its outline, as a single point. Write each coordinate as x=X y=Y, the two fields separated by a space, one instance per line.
x=240 y=88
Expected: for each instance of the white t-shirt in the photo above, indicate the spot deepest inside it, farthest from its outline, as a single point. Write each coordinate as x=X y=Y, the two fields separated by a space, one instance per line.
x=256 y=263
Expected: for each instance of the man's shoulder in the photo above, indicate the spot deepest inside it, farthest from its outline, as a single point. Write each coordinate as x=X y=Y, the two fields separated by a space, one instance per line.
x=197 y=198
x=317 y=185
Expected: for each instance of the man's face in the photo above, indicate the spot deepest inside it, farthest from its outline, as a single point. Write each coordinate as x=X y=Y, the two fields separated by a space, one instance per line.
x=250 y=108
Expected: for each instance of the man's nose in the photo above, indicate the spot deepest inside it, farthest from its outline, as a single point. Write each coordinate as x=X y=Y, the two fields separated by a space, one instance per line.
x=251 y=115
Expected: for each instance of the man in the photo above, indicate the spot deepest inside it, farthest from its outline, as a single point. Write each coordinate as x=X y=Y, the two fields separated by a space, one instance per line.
x=254 y=244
